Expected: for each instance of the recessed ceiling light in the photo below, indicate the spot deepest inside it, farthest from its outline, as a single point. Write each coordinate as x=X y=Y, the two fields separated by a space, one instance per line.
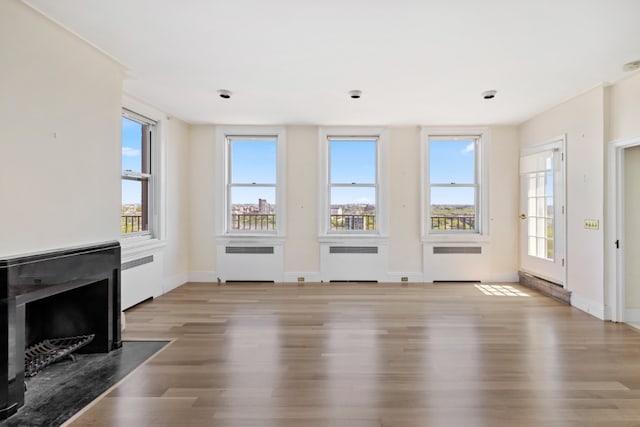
x=631 y=66
x=489 y=94
x=224 y=93
x=355 y=94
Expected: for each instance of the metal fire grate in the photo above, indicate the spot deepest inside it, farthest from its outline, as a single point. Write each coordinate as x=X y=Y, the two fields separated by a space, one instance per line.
x=40 y=355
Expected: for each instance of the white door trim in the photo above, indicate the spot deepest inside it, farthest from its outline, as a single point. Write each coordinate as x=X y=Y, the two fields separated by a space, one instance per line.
x=615 y=227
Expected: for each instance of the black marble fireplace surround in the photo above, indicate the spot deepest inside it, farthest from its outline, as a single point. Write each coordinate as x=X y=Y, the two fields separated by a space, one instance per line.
x=68 y=292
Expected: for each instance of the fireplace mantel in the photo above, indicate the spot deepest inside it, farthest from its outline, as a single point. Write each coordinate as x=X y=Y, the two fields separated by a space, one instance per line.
x=88 y=275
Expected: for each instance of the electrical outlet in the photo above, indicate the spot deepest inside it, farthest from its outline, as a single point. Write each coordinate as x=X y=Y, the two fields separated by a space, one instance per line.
x=404 y=279
x=591 y=224
x=300 y=279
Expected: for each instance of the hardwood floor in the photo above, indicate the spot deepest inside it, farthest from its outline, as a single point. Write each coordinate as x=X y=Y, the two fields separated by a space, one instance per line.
x=366 y=355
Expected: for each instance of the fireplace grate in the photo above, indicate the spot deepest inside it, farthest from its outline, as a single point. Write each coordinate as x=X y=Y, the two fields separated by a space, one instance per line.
x=40 y=355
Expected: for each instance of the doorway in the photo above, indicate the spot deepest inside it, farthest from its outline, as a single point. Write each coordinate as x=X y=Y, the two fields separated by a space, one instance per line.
x=624 y=244
x=542 y=203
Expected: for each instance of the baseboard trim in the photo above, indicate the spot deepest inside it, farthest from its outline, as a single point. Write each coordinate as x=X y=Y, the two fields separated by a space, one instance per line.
x=588 y=306
x=413 y=277
x=170 y=283
x=203 y=276
x=308 y=276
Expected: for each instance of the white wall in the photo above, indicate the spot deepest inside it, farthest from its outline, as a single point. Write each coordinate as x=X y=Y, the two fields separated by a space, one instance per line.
x=582 y=120
x=624 y=109
x=405 y=246
x=302 y=250
x=176 y=256
x=60 y=102
x=504 y=182
x=202 y=160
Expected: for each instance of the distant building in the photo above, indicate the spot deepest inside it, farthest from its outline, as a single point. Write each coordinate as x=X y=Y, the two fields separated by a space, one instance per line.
x=263 y=206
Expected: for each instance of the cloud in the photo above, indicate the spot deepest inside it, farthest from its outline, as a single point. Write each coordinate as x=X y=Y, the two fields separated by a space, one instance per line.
x=469 y=148
x=130 y=152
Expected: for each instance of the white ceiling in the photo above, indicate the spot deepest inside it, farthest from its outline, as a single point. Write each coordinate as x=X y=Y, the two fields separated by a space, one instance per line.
x=419 y=62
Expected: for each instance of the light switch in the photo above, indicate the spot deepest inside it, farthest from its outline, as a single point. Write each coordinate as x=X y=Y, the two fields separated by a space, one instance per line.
x=591 y=224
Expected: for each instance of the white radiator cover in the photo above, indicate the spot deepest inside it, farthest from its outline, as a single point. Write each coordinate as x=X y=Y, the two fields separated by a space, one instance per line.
x=142 y=282
x=456 y=262
x=353 y=261
x=236 y=262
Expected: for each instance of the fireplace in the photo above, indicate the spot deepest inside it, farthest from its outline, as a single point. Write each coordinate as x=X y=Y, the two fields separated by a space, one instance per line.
x=58 y=294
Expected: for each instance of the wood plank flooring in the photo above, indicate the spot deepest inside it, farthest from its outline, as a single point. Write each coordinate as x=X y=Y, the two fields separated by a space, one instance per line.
x=364 y=355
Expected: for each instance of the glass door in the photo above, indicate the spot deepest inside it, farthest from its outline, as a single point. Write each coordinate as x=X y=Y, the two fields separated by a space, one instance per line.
x=542 y=229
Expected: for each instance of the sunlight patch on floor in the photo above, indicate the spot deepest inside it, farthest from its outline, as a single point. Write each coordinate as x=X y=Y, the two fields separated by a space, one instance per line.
x=501 y=290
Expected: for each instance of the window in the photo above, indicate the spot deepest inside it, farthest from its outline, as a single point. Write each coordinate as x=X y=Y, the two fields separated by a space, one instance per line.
x=353 y=188
x=137 y=174
x=252 y=183
x=352 y=184
x=251 y=175
x=455 y=191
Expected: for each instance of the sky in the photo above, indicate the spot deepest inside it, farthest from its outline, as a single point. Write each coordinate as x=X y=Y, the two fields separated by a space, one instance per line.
x=452 y=161
x=131 y=159
x=254 y=161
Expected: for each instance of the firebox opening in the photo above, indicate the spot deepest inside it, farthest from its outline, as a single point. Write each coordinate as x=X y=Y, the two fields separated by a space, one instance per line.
x=80 y=311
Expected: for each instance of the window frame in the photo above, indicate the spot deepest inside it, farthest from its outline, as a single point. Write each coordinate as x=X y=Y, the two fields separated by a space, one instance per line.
x=474 y=185
x=147 y=174
x=482 y=139
x=333 y=185
x=224 y=135
x=136 y=246
x=231 y=184
x=326 y=135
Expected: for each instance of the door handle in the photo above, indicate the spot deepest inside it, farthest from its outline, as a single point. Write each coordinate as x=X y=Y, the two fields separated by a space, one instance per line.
x=523 y=216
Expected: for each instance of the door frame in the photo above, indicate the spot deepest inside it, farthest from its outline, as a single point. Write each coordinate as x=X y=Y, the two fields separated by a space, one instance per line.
x=615 y=227
x=558 y=142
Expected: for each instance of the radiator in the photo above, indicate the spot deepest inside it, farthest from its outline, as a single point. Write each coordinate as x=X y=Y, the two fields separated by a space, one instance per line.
x=353 y=249
x=353 y=263
x=247 y=263
x=246 y=250
x=457 y=250
x=456 y=262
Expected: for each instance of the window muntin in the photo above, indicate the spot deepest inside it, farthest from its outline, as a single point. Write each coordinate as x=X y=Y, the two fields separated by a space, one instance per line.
x=453 y=184
x=252 y=184
x=136 y=176
x=353 y=186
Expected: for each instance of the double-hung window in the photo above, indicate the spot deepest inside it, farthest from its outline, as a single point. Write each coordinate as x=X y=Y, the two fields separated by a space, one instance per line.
x=353 y=184
x=455 y=191
x=137 y=174
x=252 y=183
x=352 y=191
x=251 y=178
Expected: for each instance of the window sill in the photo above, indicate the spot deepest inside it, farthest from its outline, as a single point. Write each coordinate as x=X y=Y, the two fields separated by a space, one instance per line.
x=139 y=246
x=456 y=238
x=251 y=239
